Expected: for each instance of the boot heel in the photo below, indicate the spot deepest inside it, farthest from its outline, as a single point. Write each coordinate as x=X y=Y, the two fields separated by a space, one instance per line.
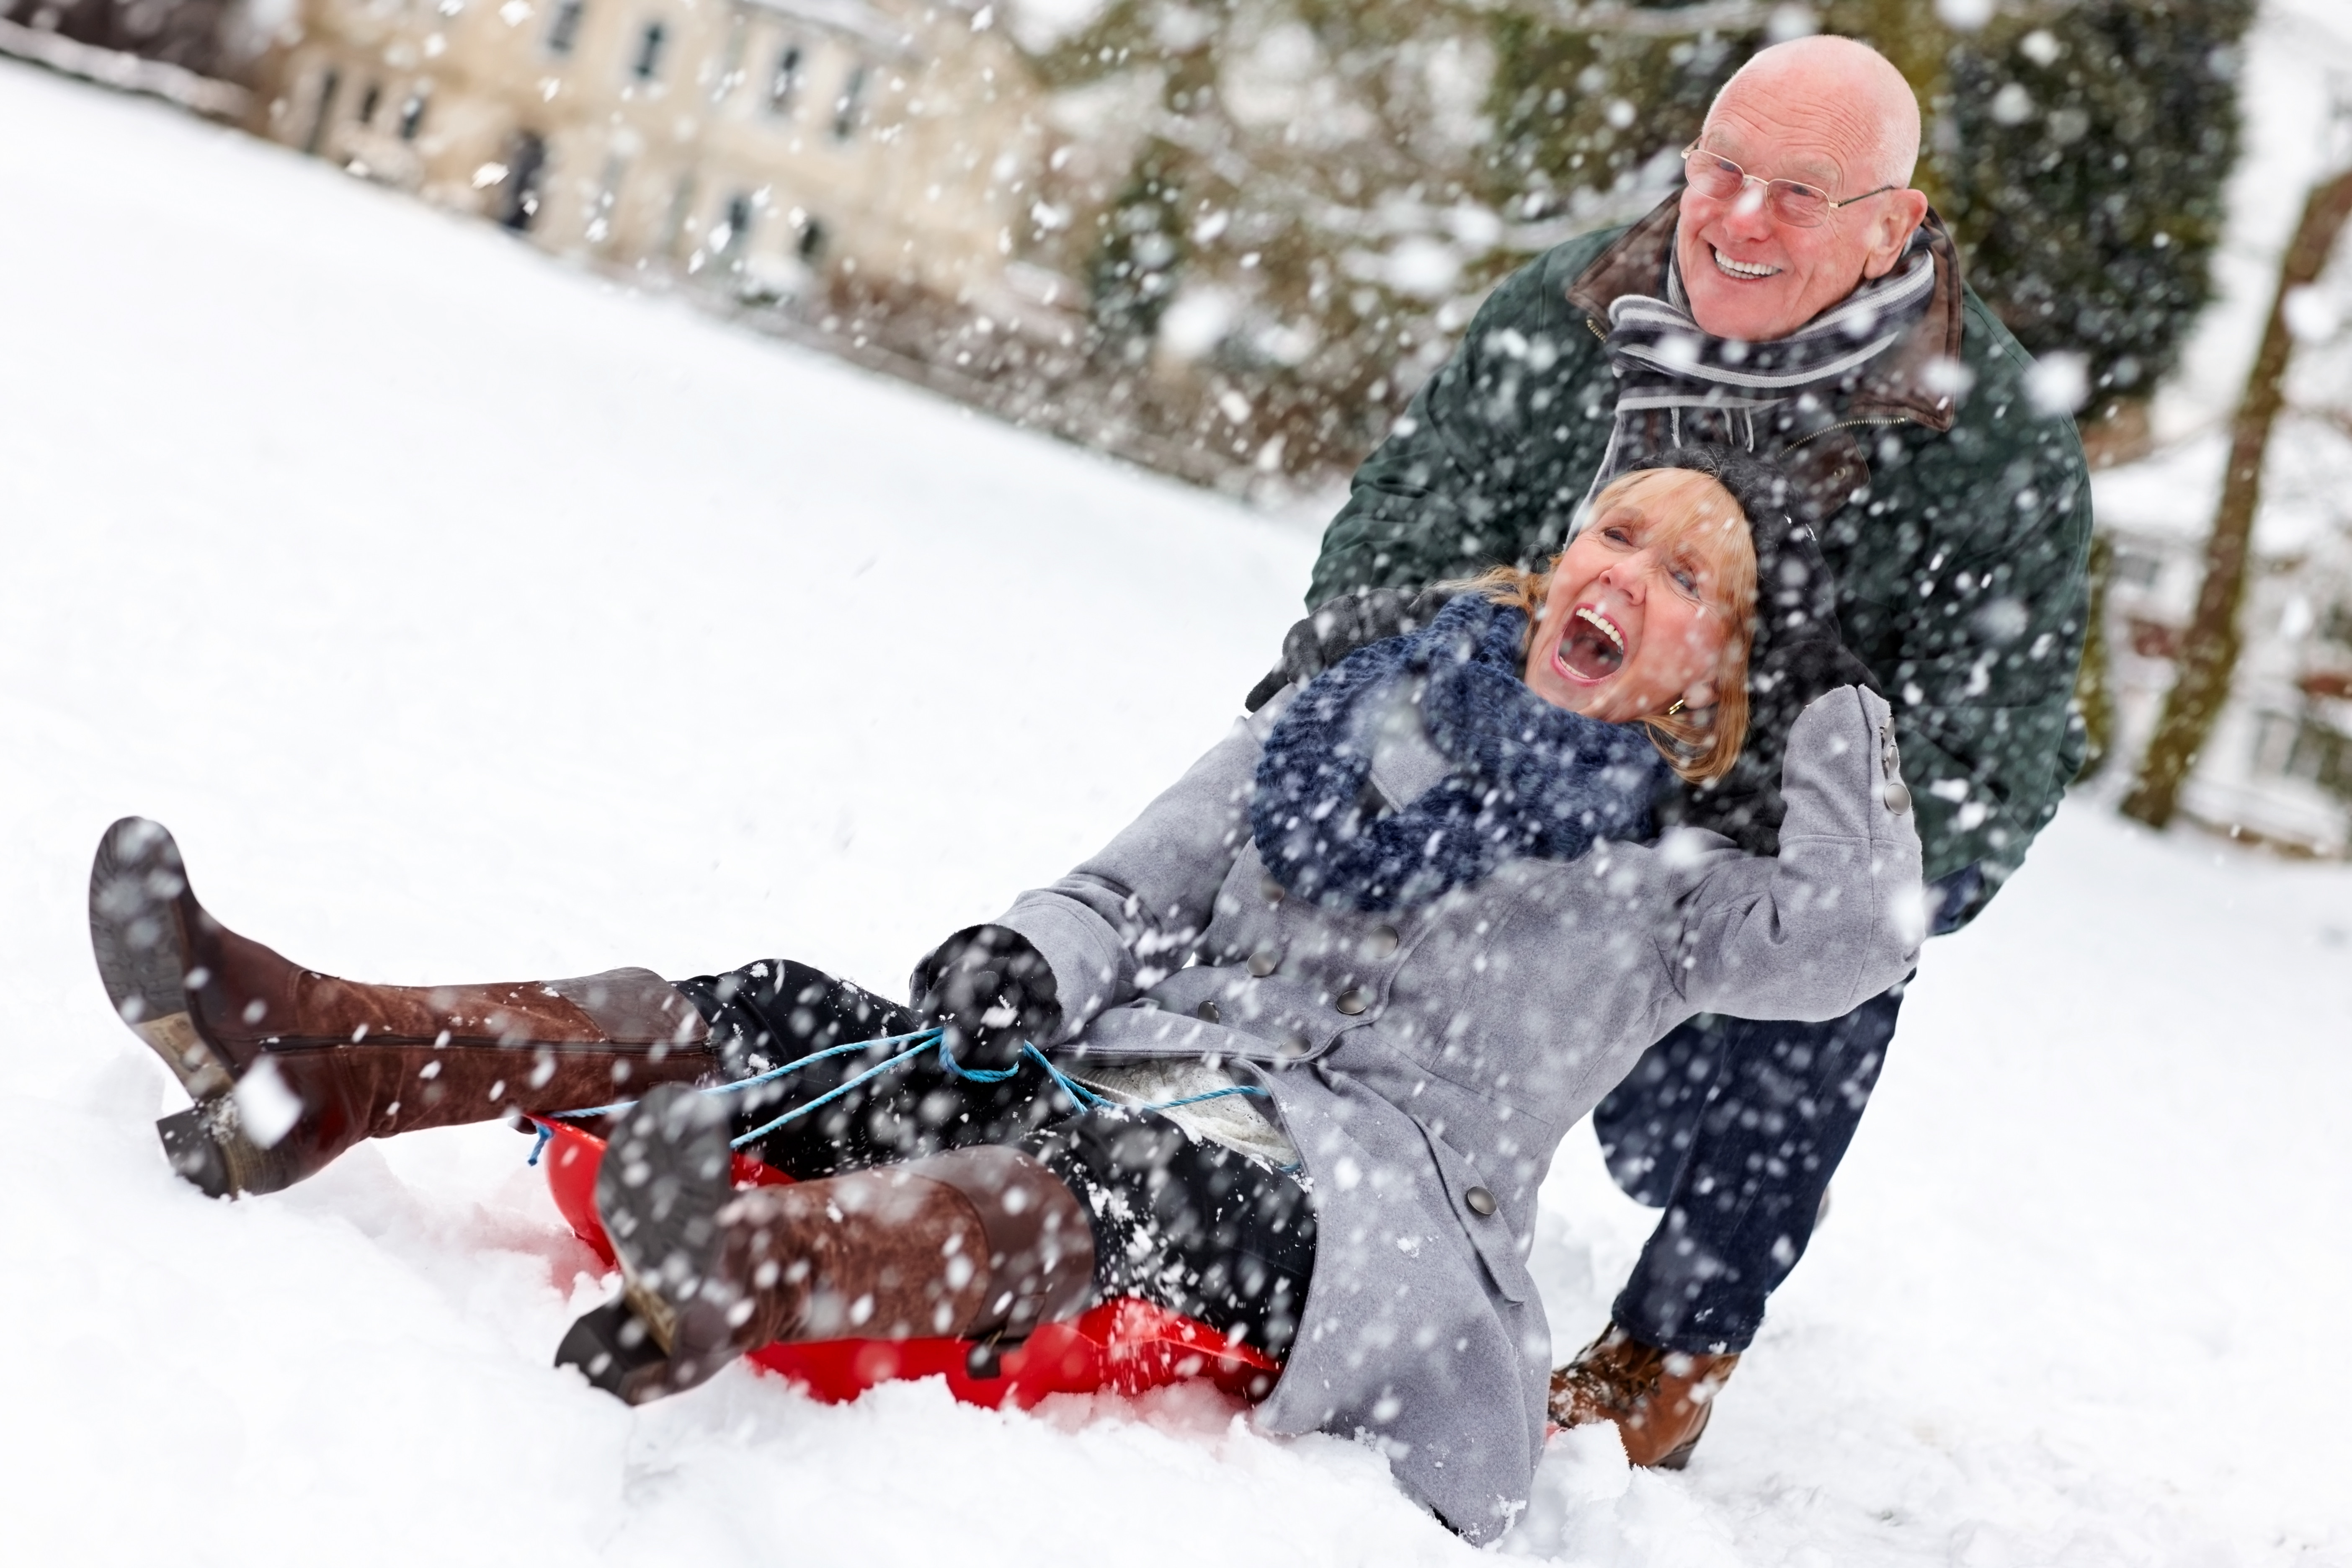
x=194 y=1154
x=210 y=1154
x=617 y=1352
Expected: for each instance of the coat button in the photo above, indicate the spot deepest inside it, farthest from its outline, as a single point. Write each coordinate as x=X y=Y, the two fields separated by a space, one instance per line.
x=1270 y=891
x=1207 y=1013
x=1381 y=943
x=1898 y=797
x=1481 y=1201
x=1264 y=961
x=1292 y=1046
x=1354 y=1000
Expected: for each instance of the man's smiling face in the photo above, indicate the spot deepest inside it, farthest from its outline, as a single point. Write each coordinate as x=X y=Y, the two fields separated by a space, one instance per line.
x=1813 y=116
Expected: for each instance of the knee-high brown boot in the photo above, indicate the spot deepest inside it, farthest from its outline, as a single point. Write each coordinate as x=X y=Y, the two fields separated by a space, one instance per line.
x=982 y=1244
x=288 y=1067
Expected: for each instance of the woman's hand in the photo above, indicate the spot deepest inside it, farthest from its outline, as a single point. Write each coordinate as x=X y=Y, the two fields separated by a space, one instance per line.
x=992 y=993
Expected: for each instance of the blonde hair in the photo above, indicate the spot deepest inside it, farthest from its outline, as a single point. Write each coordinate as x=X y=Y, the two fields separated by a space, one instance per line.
x=1700 y=744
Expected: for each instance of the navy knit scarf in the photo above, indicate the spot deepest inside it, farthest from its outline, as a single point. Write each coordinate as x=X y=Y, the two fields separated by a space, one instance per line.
x=1528 y=779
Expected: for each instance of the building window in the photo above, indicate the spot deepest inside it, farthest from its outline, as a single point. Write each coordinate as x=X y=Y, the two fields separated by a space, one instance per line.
x=368 y=101
x=323 y=116
x=2324 y=757
x=786 y=82
x=2137 y=569
x=2336 y=625
x=734 y=230
x=411 y=117
x=811 y=248
x=649 y=51
x=2303 y=747
x=845 y=107
x=563 y=32
x=526 y=168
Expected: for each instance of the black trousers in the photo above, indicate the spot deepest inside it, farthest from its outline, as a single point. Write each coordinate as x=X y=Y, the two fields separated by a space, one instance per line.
x=1734 y=1128
x=1191 y=1226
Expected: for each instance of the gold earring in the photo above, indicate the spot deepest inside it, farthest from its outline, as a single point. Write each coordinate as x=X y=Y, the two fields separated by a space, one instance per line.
x=1675 y=708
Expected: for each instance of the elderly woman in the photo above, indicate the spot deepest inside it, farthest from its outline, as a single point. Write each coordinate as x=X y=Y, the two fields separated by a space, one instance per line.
x=1291 y=1054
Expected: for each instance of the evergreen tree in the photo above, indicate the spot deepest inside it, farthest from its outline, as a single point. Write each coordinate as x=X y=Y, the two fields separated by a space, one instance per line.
x=1131 y=276
x=1587 y=107
x=2084 y=174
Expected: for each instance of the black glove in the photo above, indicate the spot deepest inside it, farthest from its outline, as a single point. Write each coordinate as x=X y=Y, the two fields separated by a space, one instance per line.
x=991 y=992
x=1799 y=655
x=1338 y=627
x=1800 y=652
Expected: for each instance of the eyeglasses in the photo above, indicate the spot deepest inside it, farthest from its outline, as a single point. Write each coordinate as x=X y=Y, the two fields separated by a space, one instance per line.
x=1791 y=201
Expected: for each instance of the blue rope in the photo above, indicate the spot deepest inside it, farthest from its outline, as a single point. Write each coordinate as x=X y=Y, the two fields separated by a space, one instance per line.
x=1080 y=1096
x=743 y=1083
x=922 y=1041
x=928 y=1039
x=1087 y=1100
x=977 y=1075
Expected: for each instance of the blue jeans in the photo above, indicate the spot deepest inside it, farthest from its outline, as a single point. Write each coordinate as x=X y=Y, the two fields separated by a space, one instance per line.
x=1734 y=1128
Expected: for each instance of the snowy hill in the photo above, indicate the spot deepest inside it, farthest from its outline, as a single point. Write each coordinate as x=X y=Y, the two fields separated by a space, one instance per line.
x=469 y=619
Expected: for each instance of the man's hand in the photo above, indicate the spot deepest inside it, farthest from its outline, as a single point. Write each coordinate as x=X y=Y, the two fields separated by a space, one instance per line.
x=992 y=993
x=1338 y=627
x=1798 y=656
x=1800 y=652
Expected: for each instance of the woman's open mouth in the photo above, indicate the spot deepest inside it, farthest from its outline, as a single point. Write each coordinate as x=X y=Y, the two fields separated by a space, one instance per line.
x=1594 y=647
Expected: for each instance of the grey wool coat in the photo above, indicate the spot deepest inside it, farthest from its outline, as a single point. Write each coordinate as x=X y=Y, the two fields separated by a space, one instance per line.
x=1427 y=1062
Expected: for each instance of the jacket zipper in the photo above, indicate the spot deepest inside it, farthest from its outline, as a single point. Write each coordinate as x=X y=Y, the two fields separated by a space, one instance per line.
x=1848 y=425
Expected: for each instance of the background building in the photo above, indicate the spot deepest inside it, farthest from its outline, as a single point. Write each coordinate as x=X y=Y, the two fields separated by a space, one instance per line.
x=767 y=149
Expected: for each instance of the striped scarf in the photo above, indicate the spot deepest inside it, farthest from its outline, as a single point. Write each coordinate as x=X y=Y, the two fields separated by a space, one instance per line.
x=1680 y=385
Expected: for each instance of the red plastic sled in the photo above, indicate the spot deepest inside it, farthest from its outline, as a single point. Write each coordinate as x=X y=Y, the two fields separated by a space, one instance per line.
x=1123 y=1346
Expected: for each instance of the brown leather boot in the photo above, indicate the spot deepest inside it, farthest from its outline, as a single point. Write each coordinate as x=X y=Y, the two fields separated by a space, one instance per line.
x=288 y=1067
x=981 y=1243
x=1660 y=1400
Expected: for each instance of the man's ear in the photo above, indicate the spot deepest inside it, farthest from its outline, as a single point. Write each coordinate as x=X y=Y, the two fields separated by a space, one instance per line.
x=1891 y=228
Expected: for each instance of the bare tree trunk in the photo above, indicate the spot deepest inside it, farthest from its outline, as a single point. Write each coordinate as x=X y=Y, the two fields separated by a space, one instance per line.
x=2094 y=697
x=2208 y=652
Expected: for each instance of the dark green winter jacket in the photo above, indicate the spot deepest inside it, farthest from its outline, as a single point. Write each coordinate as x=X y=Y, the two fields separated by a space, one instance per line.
x=1958 y=517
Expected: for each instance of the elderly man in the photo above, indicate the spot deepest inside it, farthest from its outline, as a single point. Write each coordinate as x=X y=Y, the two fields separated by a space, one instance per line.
x=1798 y=299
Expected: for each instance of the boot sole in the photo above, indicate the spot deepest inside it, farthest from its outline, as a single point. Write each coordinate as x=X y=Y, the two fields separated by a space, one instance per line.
x=138 y=937
x=664 y=1176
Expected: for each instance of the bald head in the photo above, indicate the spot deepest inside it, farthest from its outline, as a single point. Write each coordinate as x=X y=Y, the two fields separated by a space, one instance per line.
x=1825 y=112
x=1846 y=93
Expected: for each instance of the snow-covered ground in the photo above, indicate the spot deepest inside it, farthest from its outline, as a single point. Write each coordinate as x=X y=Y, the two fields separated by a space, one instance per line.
x=469 y=619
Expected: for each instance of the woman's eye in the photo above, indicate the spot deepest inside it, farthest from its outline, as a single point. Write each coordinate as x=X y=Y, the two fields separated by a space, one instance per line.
x=1686 y=580
x=1618 y=536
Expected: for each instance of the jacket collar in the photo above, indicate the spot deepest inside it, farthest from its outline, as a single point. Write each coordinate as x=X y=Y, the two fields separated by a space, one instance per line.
x=1900 y=383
